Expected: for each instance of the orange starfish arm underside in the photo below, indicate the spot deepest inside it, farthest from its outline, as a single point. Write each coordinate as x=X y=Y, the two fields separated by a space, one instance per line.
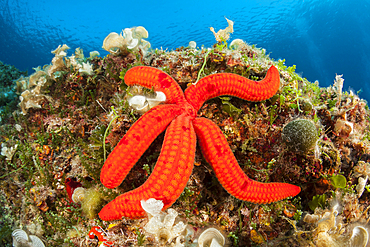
x=218 y=154
x=137 y=139
x=169 y=177
x=235 y=85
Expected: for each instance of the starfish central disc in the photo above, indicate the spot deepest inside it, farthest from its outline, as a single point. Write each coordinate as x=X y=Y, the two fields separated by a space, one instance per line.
x=178 y=116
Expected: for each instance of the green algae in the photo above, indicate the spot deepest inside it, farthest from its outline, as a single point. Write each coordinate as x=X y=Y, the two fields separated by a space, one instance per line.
x=338 y=181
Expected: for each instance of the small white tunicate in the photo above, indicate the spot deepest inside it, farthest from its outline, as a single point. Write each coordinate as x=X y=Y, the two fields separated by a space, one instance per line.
x=94 y=54
x=139 y=103
x=160 y=97
x=18 y=127
x=237 y=44
x=143 y=104
x=162 y=224
x=8 y=152
x=86 y=69
x=152 y=206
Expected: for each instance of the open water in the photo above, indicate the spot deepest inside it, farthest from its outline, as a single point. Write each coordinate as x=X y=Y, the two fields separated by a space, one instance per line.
x=322 y=37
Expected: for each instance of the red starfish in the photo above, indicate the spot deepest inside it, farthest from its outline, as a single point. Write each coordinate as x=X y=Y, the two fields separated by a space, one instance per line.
x=176 y=160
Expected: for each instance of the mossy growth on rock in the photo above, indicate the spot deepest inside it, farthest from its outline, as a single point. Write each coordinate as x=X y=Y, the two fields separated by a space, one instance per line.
x=91 y=204
x=300 y=135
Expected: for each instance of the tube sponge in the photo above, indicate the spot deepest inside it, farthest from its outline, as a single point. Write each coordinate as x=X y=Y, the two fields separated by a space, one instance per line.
x=163 y=225
x=300 y=135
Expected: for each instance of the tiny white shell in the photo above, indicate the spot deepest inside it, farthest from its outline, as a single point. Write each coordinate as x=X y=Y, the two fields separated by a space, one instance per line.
x=361 y=186
x=78 y=195
x=18 y=127
x=211 y=238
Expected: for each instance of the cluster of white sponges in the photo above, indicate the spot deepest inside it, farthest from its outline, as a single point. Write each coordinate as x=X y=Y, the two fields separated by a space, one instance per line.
x=77 y=61
x=32 y=88
x=330 y=231
x=165 y=228
x=8 y=152
x=128 y=39
x=162 y=225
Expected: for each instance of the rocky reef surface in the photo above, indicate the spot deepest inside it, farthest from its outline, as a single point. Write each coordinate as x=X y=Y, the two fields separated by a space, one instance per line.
x=72 y=113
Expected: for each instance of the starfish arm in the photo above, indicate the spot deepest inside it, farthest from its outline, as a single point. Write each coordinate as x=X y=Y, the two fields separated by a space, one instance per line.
x=218 y=154
x=134 y=143
x=152 y=77
x=235 y=85
x=169 y=177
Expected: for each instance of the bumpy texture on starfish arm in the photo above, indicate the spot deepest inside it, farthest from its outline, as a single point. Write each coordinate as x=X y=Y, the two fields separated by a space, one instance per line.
x=169 y=177
x=137 y=139
x=218 y=154
x=235 y=85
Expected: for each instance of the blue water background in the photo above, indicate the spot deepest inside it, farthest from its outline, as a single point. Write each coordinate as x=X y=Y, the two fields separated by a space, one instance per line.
x=321 y=37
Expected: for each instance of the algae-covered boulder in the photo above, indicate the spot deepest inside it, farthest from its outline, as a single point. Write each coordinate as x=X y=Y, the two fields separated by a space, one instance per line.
x=300 y=135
